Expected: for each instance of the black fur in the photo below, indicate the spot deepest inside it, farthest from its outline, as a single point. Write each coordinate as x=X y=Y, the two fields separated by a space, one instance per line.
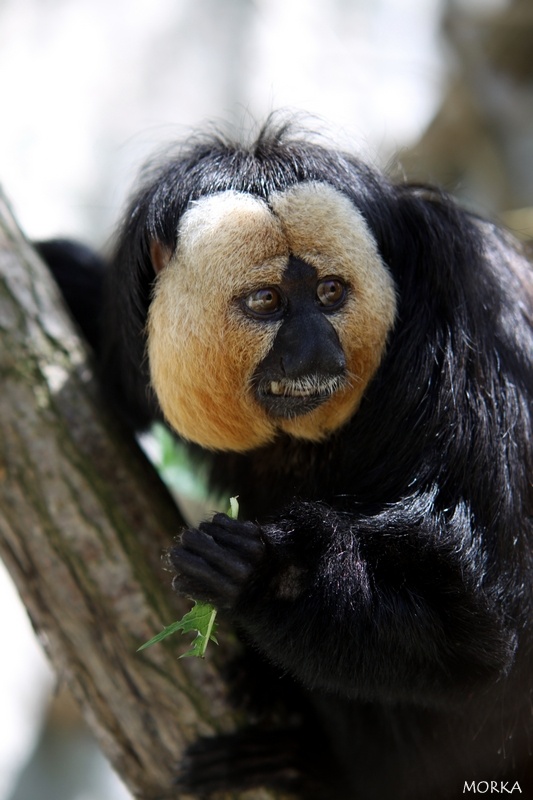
x=80 y=273
x=387 y=571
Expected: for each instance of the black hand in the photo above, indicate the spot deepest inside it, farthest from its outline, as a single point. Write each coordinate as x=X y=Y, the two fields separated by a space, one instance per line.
x=215 y=561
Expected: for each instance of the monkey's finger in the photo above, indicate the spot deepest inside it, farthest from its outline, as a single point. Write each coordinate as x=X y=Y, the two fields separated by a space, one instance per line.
x=226 y=562
x=246 y=540
x=199 y=580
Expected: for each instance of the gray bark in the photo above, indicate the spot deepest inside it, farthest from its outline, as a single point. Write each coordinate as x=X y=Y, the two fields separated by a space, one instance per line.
x=84 y=521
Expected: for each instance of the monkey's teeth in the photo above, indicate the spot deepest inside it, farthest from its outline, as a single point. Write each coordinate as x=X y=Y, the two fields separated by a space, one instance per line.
x=278 y=388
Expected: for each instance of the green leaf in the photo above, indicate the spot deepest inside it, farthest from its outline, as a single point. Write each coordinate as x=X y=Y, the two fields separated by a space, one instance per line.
x=233 y=510
x=200 y=619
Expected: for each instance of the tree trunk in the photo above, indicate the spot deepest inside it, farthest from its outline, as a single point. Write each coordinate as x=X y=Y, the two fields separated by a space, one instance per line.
x=84 y=521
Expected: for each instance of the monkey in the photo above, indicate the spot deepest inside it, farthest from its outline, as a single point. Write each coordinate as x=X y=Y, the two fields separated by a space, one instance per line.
x=353 y=357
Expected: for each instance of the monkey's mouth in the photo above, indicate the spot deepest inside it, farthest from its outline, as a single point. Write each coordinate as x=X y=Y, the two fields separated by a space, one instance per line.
x=293 y=397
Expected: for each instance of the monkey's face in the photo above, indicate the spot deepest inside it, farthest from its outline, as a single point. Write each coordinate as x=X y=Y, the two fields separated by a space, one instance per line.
x=267 y=318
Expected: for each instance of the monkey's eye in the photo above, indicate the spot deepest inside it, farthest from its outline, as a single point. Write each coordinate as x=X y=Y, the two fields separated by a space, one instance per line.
x=264 y=301
x=331 y=292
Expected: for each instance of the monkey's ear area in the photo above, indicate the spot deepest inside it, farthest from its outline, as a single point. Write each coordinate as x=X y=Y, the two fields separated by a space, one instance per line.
x=160 y=255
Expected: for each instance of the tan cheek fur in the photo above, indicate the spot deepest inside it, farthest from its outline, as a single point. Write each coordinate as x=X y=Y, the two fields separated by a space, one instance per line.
x=202 y=350
x=324 y=229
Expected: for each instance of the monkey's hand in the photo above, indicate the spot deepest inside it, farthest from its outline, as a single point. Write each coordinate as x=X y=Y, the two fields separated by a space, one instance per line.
x=215 y=561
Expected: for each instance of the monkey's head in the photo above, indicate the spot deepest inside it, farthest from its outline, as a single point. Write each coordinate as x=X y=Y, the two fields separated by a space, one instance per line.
x=267 y=317
x=270 y=312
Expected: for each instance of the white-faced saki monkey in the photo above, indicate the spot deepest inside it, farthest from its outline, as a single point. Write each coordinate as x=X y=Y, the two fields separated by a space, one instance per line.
x=353 y=359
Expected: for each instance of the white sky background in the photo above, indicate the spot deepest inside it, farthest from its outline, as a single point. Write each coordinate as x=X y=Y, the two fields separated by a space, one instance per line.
x=89 y=88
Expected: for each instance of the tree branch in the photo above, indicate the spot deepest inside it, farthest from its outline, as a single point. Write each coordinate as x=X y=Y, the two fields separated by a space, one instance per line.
x=84 y=520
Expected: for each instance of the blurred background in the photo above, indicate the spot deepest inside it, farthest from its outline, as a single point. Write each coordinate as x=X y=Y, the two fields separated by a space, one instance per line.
x=434 y=90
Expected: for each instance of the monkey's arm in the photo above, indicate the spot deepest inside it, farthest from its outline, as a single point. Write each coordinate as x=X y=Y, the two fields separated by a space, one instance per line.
x=390 y=604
